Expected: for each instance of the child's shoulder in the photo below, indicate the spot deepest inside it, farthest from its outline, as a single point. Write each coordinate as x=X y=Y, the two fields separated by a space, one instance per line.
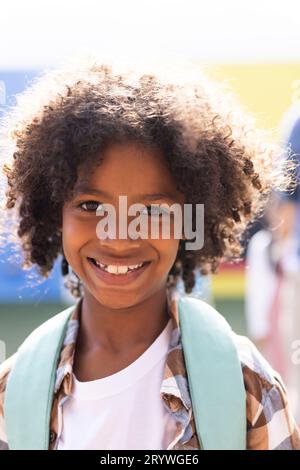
x=270 y=423
x=255 y=367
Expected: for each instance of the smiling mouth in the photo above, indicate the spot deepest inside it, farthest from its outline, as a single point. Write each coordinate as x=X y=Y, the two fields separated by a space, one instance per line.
x=118 y=270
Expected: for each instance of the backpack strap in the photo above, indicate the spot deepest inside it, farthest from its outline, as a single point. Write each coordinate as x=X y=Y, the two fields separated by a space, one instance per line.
x=214 y=376
x=30 y=385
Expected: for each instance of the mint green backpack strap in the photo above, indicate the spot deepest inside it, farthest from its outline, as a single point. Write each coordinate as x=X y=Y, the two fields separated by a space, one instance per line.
x=30 y=385
x=214 y=375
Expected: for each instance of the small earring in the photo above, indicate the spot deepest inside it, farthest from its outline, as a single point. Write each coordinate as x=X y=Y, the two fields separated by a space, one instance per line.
x=64 y=266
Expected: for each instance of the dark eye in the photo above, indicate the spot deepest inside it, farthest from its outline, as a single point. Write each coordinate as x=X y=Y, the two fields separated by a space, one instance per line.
x=156 y=210
x=89 y=206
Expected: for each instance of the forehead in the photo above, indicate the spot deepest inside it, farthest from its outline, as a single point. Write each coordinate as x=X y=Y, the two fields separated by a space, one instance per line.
x=128 y=169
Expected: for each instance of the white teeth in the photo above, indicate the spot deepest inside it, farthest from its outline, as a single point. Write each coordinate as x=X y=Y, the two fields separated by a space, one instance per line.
x=101 y=265
x=113 y=269
x=122 y=269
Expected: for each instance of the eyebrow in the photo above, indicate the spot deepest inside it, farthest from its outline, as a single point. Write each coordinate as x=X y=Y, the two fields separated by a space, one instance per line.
x=81 y=189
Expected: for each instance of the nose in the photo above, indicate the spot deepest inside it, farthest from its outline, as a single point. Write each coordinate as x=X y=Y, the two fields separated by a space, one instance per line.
x=116 y=231
x=116 y=237
x=120 y=246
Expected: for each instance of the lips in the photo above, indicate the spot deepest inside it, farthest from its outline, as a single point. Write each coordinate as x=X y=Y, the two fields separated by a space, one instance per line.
x=117 y=269
x=118 y=278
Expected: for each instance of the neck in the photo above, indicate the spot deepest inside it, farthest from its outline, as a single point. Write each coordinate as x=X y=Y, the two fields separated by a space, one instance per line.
x=122 y=329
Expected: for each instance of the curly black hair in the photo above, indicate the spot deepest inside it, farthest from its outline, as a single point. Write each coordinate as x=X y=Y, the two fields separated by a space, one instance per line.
x=212 y=148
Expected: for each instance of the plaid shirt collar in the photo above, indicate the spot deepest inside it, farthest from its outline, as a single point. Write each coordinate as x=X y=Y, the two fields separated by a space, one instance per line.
x=174 y=388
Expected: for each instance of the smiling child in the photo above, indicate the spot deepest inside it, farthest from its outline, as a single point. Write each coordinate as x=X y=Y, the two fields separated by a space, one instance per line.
x=83 y=137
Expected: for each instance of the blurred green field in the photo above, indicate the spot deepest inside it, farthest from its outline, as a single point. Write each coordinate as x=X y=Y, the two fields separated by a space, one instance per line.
x=17 y=321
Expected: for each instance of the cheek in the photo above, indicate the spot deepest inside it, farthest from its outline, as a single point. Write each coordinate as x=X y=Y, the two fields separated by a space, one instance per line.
x=167 y=250
x=69 y=228
x=76 y=233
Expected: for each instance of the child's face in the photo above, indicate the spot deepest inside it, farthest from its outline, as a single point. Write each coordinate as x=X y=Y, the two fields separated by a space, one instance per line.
x=129 y=170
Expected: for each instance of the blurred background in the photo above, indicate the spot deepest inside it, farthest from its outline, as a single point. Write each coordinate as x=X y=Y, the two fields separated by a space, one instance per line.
x=255 y=47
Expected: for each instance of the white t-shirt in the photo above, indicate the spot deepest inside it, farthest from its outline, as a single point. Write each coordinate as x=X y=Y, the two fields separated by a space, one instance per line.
x=124 y=410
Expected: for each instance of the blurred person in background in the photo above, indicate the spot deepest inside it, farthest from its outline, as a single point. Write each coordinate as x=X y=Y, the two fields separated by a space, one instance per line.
x=273 y=274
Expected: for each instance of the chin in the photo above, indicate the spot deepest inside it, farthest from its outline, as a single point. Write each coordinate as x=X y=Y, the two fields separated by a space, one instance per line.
x=118 y=301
